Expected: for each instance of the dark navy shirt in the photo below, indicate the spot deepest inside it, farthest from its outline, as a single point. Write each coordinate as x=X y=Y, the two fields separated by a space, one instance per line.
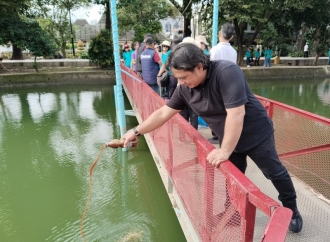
x=226 y=87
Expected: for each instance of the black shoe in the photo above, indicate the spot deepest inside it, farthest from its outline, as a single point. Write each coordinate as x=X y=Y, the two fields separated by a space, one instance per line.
x=296 y=222
x=215 y=138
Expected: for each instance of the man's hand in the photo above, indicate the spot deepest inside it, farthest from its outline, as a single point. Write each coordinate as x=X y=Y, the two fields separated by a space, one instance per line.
x=216 y=156
x=129 y=136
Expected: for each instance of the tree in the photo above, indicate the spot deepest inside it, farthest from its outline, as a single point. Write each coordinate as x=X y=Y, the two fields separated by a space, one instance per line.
x=143 y=16
x=26 y=35
x=186 y=12
x=101 y=48
x=105 y=3
x=12 y=12
x=57 y=23
x=254 y=13
x=39 y=44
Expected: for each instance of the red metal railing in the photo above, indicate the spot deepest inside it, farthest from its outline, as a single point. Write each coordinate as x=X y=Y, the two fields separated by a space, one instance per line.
x=220 y=203
x=303 y=143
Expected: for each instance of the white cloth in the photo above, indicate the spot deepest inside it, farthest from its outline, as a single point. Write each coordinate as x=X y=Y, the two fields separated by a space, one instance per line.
x=223 y=51
x=306 y=47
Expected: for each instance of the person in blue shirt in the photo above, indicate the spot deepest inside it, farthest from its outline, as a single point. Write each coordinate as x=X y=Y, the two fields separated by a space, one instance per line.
x=265 y=55
x=127 y=56
x=268 y=56
x=248 y=57
x=329 y=57
x=257 y=56
x=165 y=52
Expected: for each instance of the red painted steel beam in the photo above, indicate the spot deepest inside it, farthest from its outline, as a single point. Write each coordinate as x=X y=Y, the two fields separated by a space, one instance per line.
x=298 y=111
x=278 y=225
x=305 y=151
x=263 y=202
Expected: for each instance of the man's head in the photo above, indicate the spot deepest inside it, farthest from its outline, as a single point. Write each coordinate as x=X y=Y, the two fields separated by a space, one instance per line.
x=146 y=36
x=189 y=64
x=150 y=42
x=227 y=32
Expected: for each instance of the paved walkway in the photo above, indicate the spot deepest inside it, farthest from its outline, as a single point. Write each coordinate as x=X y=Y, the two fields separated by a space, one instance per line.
x=314 y=209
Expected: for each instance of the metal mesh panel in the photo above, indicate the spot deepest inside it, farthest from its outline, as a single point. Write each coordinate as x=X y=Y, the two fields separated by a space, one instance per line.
x=303 y=144
x=295 y=132
x=216 y=201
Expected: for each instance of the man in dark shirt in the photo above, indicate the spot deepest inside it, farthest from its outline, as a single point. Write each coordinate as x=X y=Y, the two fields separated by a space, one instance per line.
x=219 y=93
x=138 y=66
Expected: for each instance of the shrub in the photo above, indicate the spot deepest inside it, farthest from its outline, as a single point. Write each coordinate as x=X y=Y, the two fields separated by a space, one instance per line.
x=101 y=49
x=83 y=55
x=296 y=54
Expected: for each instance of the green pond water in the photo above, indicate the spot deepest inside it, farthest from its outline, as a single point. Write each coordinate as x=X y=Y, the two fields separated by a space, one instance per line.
x=49 y=137
x=312 y=95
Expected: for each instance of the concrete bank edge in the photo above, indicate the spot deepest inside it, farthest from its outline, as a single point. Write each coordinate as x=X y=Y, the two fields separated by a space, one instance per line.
x=57 y=78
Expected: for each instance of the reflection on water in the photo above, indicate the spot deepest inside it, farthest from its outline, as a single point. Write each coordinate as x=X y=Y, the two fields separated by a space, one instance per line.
x=49 y=137
x=312 y=95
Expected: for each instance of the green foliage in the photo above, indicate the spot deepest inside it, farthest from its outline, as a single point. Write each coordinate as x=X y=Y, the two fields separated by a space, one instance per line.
x=296 y=54
x=101 y=49
x=83 y=55
x=40 y=43
x=68 y=45
x=143 y=16
x=26 y=35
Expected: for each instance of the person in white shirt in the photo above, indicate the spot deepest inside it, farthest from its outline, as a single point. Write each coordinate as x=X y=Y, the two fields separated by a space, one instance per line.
x=306 y=51
x=223 y=50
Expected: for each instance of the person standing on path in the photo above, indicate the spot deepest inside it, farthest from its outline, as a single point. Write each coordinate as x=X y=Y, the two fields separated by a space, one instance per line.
x=150 y=62
x=138 y=66
x=248 y=57
x=219 y=92
x=133 y=62
x=306 y=50
x=268 y=56
x=127 y=56
x=257 y=56
x=223 y=50
x=204 y=45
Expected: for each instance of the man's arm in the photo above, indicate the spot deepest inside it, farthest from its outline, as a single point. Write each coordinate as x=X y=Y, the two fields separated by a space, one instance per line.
x=154 y=121
x=233 y=129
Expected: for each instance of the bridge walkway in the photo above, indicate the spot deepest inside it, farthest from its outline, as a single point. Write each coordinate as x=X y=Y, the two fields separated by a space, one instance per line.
x=314 y=208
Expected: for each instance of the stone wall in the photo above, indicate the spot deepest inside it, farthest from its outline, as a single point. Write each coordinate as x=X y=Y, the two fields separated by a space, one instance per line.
x=57 y=78
x=286 y=72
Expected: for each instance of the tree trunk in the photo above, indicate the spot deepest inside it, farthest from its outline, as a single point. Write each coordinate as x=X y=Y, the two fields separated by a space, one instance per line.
x=186 y=26
x=63 y=48
x=17 y=53
x=107 y=17
x=239 y=41
x=316 y=58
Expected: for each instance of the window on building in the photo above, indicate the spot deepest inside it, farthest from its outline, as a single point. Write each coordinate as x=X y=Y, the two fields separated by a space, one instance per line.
x=168 y=27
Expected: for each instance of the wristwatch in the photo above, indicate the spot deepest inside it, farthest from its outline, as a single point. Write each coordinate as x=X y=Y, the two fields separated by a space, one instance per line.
x=136 y=132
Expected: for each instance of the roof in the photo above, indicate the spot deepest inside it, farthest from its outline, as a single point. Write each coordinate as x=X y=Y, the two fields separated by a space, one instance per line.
x=80 y=22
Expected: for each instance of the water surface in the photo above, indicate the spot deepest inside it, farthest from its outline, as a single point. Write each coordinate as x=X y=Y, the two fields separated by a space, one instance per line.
x=312 y=95
x=49 y=137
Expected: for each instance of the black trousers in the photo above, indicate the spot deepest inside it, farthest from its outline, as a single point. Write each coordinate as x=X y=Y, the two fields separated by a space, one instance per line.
x=266 y=158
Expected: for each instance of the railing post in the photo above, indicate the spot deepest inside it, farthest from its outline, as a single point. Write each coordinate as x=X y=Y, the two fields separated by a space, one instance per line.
x=120 y=109
x=215 y=22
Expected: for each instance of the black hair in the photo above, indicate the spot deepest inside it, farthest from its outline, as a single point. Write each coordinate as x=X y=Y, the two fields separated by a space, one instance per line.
x=147 y=35
x=186 y=56
x=228 y=30
x=175 y=42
